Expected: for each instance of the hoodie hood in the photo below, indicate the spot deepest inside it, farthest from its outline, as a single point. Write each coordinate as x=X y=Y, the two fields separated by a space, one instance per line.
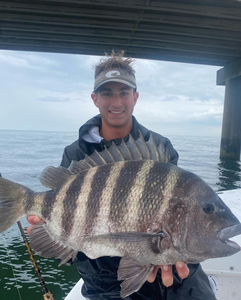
x=96 y=121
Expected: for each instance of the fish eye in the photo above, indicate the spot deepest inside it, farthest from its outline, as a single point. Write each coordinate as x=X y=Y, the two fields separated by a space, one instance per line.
x=208 y=208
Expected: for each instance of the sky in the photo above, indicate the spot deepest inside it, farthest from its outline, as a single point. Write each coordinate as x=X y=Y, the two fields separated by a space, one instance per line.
x=51 y=92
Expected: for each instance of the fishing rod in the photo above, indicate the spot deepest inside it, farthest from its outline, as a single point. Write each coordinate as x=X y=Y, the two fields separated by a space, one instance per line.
x=46 y=294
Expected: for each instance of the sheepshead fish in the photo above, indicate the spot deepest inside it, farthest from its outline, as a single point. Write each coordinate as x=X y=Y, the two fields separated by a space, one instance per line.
x=126 y=201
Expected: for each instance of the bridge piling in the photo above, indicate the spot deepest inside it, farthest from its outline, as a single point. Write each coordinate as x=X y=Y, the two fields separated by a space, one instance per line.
x=231 y=128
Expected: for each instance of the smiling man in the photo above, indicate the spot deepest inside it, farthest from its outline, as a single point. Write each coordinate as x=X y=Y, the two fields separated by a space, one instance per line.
x=115 y=102
x=115 y=94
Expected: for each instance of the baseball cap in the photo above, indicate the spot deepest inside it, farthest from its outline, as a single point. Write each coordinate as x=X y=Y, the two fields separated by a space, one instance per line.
x=117 y=75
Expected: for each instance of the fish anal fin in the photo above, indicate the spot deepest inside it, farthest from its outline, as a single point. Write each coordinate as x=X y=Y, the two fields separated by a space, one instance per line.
x=44 y=244
x=134 y=276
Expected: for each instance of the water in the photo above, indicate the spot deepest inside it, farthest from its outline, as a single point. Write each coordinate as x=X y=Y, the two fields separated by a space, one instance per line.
x=24 y=154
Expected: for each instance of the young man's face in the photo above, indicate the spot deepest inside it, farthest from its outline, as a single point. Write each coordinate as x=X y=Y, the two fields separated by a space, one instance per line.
x=116 y=103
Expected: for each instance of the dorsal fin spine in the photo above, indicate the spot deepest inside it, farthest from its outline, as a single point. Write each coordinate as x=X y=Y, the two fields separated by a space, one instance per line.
x=89 y=157
x=127 y=149
x=145 y=145
x=152 y=141
x=101 y=157
x=110 y=155
x=117 y=149
x=136 y=146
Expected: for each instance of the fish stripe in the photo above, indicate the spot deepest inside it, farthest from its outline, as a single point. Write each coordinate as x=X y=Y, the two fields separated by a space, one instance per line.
x=102 y=222
x=79 y=220
x=168 y=181
x=29 y=203
x=137 y=192
x=121 y=191
x=98 y=185
x=70 y=202
x=57 y=211
x=48 y=203
x=149 y=207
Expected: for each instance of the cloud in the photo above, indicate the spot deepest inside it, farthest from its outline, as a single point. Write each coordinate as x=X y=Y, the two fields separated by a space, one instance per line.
x=53 y=99
x=14 y=61
x=47 y=91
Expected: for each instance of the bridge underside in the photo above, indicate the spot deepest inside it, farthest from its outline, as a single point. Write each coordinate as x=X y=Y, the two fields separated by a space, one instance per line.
x=190 y=31
x=194 y=31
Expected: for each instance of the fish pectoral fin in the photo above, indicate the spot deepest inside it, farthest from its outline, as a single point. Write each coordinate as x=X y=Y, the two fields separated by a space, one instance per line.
x=134 y=276
x=130 y=237
x=43 y=243
x=148 y=244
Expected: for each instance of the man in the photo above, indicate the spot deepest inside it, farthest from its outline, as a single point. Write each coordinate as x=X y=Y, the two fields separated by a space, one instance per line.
x=115 y=95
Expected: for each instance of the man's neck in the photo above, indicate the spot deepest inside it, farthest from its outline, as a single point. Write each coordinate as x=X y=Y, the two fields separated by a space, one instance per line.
x=112 y=133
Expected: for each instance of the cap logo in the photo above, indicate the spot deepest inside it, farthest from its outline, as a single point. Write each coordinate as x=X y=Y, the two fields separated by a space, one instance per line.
x=112 y=73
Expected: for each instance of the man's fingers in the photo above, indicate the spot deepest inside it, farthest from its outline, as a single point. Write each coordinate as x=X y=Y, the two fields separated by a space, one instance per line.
x=29 y=229
x=167 y=277
x=152 y=276
x=182 y=269
x=33 y=219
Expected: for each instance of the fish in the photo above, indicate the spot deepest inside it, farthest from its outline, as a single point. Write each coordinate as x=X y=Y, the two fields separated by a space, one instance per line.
x=127 y=201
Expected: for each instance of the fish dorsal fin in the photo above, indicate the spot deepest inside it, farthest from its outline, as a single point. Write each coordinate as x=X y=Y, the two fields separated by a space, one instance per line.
x=134 y=148
x=153 y=150
x=131 y=150
x=78 y=166
x=164 y=156
x=52 y=177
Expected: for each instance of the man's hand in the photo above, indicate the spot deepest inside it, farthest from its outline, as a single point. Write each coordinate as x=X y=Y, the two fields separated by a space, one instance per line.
x=166 y=271
x=33 y=219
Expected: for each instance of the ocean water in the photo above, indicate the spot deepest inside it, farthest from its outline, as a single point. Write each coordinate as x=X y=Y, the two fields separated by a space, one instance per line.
x=24 y=154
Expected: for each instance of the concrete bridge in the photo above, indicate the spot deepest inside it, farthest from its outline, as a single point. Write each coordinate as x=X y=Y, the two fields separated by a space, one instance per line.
x=190 y=31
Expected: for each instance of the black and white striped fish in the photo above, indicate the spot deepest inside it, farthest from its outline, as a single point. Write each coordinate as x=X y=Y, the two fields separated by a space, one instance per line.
x=126 y=201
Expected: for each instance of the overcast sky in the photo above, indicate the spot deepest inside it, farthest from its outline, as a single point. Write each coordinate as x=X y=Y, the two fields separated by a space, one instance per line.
x=51 y=92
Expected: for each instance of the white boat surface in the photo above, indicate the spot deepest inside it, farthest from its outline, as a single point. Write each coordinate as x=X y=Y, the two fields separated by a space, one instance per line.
x=224 y=273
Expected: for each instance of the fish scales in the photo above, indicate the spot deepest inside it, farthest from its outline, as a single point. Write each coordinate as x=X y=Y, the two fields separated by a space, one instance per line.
x=30 y=200
x=132 y=220
x=58 y=208
x=159 y=188
x=49 y=200
x=79 y=222
x=124 y=184
x=102 y=220
x=70 y=202
x=98 y=185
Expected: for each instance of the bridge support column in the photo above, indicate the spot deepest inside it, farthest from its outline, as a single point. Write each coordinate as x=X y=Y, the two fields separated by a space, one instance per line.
x=231 y=128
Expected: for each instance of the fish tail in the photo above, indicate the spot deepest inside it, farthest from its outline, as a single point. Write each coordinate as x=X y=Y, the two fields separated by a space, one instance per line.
x=12 y=196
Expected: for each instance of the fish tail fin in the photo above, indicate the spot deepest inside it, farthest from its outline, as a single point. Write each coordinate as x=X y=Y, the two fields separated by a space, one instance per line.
x=12 y=197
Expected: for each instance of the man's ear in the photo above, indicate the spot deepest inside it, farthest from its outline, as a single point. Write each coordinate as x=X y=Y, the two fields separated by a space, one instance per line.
x=94 y=97
x=136 y=96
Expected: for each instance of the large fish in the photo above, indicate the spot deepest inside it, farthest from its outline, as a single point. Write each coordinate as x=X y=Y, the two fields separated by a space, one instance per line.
x=126 y=201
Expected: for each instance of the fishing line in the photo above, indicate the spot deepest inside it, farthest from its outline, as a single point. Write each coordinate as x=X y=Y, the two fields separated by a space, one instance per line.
x=11 y=265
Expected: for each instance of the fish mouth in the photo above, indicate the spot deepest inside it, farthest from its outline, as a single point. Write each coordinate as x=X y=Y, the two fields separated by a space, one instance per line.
x=225 y=234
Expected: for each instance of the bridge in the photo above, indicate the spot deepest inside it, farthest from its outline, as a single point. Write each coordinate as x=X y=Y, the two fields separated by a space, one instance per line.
x=191 y=31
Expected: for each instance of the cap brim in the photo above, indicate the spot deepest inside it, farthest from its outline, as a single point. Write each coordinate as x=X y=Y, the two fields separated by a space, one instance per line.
x=116 y=80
